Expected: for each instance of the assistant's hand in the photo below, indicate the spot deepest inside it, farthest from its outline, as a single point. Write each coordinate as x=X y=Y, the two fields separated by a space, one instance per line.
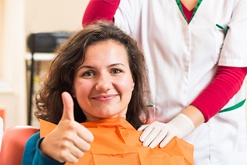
x=161 y=133
x=69 y=140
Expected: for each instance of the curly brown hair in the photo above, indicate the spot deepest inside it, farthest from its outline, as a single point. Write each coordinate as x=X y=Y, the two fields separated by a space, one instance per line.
x=70 y=55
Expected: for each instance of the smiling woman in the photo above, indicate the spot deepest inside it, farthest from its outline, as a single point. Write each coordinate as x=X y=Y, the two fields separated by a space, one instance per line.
x=103 y=86
x=95 y=59
x=92 y=102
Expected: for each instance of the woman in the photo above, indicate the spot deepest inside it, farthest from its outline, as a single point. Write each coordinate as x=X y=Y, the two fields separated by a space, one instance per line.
x=103 y=73
x=197 y=63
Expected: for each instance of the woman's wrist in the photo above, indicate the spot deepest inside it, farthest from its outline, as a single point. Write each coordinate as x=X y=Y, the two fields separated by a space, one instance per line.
x=183 y=124
x=194 y=114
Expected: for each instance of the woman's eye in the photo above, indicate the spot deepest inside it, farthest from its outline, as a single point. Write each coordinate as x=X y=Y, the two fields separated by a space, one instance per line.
x=88 y=74
x=116 y=71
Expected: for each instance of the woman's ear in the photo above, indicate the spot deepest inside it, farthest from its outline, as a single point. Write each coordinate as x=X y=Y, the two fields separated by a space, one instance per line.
x=72 y=93
x=133 y=86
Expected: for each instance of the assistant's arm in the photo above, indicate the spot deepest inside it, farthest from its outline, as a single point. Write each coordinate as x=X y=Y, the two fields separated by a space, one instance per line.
x=100 y=10
x=223 y=87
x=226 y=83
x=32 y=154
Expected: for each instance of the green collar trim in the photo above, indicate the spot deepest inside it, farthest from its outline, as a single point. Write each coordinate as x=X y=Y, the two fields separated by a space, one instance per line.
x=181 y=9
x=240 y=104
x=222 y=28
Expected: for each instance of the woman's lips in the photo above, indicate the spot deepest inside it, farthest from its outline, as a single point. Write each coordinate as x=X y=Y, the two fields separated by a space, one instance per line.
x=104 y=97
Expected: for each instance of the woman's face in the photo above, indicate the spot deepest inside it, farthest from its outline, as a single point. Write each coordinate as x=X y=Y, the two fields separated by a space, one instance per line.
x=103 y=84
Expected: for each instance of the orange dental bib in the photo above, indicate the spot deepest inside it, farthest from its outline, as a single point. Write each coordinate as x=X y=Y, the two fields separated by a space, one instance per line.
x=116 y=142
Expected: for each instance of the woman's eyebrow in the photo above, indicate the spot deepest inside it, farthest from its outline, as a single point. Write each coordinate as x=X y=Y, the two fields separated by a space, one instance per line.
x=116 y=64
x=91 y=67
x=85 y=66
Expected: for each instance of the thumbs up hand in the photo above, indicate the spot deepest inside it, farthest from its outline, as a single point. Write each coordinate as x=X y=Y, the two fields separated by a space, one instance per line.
x=69 y=140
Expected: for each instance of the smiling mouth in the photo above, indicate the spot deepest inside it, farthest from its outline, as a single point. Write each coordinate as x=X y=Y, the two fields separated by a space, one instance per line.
x=104 y=98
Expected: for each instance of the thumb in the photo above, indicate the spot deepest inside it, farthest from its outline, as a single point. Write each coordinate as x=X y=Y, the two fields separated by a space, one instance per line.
x=68 y=106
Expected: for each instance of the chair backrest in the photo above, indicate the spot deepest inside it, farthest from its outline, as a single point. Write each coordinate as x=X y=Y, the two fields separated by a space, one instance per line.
x=13 y=143
x=1 y=132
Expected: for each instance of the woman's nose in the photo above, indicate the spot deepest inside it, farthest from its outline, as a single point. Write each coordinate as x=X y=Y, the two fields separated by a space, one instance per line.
x=103 y=83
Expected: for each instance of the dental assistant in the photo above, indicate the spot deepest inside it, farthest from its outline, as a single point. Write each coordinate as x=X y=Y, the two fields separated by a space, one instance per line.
x=197 y=59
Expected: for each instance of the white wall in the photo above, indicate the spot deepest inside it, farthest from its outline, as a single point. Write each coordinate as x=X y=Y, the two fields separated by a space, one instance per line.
x=19 y=18
x=54 y=15
x=12 y=64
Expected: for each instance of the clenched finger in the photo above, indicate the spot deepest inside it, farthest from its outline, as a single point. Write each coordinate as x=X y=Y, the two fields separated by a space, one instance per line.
x=81 y=144
x=84 y=133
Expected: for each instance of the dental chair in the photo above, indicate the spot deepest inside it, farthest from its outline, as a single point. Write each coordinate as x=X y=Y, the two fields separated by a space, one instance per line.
x=13 y=142
x=1 y=132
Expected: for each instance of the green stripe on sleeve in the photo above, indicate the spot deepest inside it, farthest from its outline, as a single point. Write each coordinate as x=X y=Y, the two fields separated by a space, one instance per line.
x=241 y=103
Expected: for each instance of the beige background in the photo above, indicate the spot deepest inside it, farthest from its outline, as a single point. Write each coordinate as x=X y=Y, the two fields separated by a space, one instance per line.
x=19 y=18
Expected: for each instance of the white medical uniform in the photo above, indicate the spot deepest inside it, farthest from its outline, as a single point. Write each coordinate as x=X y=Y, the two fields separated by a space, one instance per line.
x=182 y=59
